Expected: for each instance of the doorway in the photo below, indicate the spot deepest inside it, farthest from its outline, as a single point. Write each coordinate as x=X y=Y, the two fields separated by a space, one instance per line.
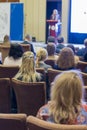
x=50 y=6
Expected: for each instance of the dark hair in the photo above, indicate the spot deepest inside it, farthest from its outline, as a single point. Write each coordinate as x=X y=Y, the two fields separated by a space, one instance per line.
x=51 y=39
x=72 y=47
x=16 y=51
x=60 y=39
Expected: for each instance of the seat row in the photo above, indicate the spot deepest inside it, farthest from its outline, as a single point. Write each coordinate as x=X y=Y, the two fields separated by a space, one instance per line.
x=29 y=96
x=22 y=122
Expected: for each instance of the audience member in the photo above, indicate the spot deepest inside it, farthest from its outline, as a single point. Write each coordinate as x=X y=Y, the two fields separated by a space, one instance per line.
x=66 y=60
x=85 y=60
x=28 y=40
x=60 y=44
x=51 y=49
x=41 y=56
x=75 y=56
x=27 y=72
x=6 y=40
x=15 y=55
x=82 y=51
x=66 y=105
x=51 y=39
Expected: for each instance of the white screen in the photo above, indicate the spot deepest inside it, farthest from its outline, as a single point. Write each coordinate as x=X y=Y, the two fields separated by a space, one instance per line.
x=79 y=16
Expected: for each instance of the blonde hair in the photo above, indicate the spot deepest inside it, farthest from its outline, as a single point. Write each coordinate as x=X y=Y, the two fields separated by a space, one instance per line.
x=66 y=95
x=66 y=59
x=41 y=55
x=27 y=70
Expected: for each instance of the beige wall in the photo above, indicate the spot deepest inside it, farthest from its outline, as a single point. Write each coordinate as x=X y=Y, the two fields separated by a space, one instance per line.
x=65 y=12
x=35 y=18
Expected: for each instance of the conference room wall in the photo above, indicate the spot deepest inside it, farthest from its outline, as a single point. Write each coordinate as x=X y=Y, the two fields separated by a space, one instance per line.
x=35 y=18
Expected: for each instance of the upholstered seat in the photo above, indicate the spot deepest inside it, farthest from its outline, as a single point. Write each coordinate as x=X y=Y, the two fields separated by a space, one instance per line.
x=34 y=123
x=30 y=96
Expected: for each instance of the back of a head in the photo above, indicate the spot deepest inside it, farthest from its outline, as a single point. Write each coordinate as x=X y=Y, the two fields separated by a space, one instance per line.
x=6 y=38
x=51 y=48
x=85 y=42
x=16 y=50
x=66 y=59
x=42 y=54
x=51 y=39
x=28 y=37
x=66 y=95
x=27 y=71
x=60 y=40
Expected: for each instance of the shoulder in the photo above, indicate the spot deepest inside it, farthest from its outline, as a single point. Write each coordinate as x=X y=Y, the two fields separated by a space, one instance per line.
x=43 y=111
x=82 y=118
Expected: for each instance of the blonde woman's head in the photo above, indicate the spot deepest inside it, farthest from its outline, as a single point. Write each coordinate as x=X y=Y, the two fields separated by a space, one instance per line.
x=66 y=95
x=66 y=59
x=28 y=62
x=41 y=54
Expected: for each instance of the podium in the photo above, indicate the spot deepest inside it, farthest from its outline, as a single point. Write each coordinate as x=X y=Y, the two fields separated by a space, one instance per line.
x=52 y=27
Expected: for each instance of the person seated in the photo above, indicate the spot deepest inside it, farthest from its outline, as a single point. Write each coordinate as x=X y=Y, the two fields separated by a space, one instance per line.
x=60 y=44
x=85 y=60
x=28 y=40
x=66 y=105
x=41 y=56
x=75 y=56
x=27 y=71
x=51 y=39
x=15 y=55
x=51 y=49
x=83 y=50
x=6 y=40
x=66 y=60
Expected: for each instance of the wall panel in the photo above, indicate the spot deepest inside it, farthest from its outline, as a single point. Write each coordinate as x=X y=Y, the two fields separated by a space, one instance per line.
x=35 y=18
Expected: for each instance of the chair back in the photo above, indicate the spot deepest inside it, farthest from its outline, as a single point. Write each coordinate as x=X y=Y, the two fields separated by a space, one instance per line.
x=42 y=71
x=30 y=96
x=34 y=123
x=13 y=122
x=26 y=47
x=50 y=62
x=81 y=65
x=52 y=73
x=8 y=71
x=5 y=99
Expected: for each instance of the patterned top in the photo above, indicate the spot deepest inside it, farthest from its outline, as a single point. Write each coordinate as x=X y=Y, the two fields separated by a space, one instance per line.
x=43 y=114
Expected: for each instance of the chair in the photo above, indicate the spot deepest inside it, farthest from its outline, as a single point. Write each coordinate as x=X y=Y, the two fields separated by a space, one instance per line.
x=34 y=123
x=13 y=122
x=42 y=71
x=50 y=62
x=30 y=96
x=81 y=65
x=4 y=50
x=26 y=47
x=8 y=71
x=5 y=99
x=52 y=73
